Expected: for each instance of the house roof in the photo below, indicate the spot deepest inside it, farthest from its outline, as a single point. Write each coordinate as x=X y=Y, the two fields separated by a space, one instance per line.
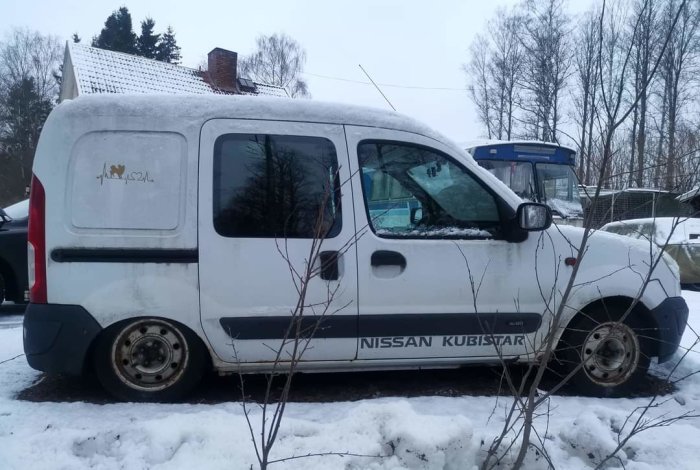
x=102 y=71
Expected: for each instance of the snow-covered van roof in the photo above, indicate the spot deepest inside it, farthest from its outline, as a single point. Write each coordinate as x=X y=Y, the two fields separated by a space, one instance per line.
x=90 y=70
x=188 y=113
x=204 y=107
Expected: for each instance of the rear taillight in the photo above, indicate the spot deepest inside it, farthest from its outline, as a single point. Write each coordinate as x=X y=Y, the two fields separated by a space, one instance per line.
x=36 y=243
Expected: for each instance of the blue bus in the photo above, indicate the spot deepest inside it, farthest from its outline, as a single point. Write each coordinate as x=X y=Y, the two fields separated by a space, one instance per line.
x=535 y=171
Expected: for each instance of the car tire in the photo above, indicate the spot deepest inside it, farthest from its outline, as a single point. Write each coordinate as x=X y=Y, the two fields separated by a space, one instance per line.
x=615 y=355
x=149 y=360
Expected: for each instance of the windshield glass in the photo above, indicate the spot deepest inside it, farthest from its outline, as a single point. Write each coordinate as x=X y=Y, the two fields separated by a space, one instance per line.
x=19 y=210
x=559 y=189
x=518 y=176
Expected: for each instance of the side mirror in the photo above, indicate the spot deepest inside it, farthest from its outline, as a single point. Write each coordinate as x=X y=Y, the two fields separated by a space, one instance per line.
x=534 y=217
x=416 y=215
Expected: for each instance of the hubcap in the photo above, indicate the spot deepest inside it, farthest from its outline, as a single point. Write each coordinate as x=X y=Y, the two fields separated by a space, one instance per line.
x=149 y=355
x=610 y=353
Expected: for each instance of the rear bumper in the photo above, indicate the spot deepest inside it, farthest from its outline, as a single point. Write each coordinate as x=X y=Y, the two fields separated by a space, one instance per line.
x=671 y=317
x=57 y=337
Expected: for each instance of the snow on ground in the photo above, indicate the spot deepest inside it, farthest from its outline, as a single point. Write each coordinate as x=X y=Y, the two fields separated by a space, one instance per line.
x=416 y=433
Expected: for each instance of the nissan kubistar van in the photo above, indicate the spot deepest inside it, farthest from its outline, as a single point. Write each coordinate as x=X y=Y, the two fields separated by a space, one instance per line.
x=166 y=235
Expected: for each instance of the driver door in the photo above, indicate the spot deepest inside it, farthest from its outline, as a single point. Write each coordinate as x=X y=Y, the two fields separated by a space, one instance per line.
x=436 y=278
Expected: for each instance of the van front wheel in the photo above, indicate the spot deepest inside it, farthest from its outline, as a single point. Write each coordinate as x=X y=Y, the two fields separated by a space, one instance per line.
x=609 y=357
x=149 y=359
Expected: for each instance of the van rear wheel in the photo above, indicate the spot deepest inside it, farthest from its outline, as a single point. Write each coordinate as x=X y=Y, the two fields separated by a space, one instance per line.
x=611 y=357
x=149 y=359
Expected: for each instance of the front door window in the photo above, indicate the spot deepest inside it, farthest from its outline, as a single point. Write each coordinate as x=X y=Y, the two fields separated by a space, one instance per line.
x=413 y=191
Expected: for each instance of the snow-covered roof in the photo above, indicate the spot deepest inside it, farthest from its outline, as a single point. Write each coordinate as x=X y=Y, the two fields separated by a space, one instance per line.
x=269 y=90
x=100 y=71
x=204 y=107
x=692 y=194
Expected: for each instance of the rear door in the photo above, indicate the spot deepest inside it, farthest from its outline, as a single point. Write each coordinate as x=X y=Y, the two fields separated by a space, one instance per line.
x=266 y=189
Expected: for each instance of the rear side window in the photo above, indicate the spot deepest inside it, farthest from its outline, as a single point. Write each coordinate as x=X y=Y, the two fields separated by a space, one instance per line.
x=276 y=186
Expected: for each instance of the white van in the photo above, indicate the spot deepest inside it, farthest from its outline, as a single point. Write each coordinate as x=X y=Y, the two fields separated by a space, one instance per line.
x=158 y=227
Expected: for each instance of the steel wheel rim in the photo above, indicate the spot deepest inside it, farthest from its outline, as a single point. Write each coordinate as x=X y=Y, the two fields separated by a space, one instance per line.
x=610 y=353
x=150 y=355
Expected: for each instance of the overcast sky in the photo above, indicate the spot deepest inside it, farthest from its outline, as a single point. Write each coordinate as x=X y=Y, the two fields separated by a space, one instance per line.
x=406 y=43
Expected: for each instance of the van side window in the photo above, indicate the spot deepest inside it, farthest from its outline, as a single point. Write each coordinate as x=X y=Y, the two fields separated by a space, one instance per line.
x=413 y=191
x=276 y=186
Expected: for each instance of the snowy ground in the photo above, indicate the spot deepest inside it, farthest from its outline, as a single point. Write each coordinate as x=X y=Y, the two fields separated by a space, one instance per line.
x=420 y=433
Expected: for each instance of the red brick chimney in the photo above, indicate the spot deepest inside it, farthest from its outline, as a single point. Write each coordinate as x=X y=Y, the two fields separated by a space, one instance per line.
x=223 y=69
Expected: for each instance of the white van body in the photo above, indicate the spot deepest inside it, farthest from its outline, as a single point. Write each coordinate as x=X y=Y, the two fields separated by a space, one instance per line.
x=129 y=188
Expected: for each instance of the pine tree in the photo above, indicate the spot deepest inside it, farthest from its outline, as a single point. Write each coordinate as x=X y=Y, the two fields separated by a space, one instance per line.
x=76 y=39
x=117 y=34
x=147 y=43
x=23 y=114
x=167 y=49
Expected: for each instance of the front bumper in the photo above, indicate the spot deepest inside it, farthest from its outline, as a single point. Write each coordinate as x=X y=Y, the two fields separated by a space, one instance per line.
x=671 y=317
x=57 y=337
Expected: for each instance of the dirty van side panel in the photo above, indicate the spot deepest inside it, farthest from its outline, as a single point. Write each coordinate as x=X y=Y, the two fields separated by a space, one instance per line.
x=138 y=183
x=121 y=218
x=261 y=183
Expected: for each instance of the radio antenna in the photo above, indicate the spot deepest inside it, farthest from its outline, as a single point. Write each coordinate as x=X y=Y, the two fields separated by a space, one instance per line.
x=377 y=87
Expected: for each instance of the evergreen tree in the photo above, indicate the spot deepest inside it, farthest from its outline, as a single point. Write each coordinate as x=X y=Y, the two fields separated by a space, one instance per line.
x=167 y=49
x=147 y=43
x=76 y=39
x=24 y=111
x=117 y=34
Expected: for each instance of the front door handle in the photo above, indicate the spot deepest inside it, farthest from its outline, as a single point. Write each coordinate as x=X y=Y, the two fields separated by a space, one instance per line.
x=329 y=265
x=388 y=258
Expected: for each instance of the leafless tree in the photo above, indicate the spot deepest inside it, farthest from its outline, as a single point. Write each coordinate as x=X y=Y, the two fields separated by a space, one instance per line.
x=29 y=54
x=544 y=36
x=307 y=320
x=278 y=60
x=646 y=44
x=493 y=72
x=586 y=85
x=480 y=86
x=679 y=59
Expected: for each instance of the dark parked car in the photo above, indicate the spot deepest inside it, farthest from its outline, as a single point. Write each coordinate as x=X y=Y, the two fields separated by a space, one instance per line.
x=13 y=252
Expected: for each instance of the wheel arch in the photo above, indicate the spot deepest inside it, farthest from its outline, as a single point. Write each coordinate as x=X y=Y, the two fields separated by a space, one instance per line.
x=619 y=304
